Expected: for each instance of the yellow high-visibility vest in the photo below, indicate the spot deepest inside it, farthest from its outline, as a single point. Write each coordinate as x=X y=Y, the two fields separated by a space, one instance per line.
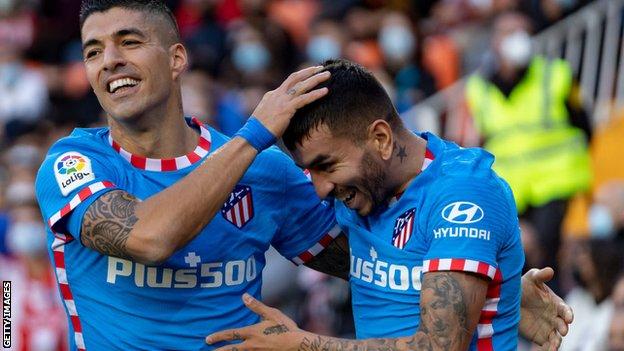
x=538 y=152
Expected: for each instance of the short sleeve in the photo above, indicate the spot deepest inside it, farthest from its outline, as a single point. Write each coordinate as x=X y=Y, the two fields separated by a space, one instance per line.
x=72 y=176
x=469 y=221
x=309 y=224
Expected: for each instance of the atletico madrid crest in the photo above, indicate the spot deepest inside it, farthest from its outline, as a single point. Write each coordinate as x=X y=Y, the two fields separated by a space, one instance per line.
x=403 y=228
x=238 y=208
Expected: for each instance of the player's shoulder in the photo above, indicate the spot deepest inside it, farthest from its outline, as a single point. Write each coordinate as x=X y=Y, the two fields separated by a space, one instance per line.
x=463 y=170
x=453 y=160
x=76 y=150
x=81 y=140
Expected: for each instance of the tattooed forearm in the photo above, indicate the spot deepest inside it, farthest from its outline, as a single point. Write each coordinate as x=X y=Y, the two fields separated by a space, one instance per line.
x=108 y=222
x=276 y=329
x=334 y=259
x=323 y=343
x=450 y=307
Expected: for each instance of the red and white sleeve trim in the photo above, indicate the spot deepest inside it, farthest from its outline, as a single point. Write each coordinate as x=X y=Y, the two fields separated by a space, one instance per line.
x=318 y=247
x=82 y=195
x=459 y=264
x=58 y=248
x=485 y=329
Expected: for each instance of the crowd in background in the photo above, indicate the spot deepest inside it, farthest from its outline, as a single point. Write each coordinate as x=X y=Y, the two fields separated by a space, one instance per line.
x=240 y=49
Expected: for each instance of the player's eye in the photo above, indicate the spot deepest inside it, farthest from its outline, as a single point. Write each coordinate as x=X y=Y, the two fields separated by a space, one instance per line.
x=130 y=42
x=91 y=53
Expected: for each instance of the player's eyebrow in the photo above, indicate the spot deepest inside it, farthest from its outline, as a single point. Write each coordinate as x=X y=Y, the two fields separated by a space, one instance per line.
x=318 y=160
x=118 y=34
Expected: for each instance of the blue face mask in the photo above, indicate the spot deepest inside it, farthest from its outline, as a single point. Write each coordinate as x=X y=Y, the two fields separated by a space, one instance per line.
x=601 y=224
x=322 y=47
x=397 y=42
x=250 y=57
x=10 y=73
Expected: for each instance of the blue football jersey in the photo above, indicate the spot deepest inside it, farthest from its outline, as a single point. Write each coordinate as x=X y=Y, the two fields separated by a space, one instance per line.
x=114 y=303
x=457 y=215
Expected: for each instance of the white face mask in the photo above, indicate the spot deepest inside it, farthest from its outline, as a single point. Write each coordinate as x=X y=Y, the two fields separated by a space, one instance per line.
x=27 y=238
x=601 y=223
x=516 y=48
x=397 y=42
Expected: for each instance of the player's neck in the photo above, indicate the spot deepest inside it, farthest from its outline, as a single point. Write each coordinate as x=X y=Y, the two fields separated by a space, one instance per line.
x=407 y=160
x=155 y=136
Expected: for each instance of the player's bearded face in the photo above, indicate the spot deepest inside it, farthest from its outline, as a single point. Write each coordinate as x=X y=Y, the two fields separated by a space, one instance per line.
x=369 y=183
x=127 y=65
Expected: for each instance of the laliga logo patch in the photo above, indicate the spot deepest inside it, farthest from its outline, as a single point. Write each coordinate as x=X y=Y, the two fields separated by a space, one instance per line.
x=72 y=170
x=462 y=212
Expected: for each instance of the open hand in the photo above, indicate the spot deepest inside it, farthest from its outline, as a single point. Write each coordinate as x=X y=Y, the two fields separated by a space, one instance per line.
x=545 y=316
x=278 y=106
x=276 y=332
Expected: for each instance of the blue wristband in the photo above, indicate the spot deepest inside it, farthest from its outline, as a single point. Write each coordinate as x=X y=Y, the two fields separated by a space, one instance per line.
x=256 y=134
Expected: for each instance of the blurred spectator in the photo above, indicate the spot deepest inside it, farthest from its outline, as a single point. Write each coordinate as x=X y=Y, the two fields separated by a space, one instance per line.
x=583 y=218
x=202 y=32
x=327 y=41
x=616 y=329
x=597 y=265
x=198 y=96
x=401 y=53
x=524 y=113
x=38 y=322
x=23 y=93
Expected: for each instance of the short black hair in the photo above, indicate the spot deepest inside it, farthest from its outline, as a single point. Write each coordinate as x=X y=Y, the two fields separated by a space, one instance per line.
x=154 y=7
x=355 y=100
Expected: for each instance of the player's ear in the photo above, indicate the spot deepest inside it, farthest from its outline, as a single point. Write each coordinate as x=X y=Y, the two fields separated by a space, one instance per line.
x=380 y=134
x=179 y=59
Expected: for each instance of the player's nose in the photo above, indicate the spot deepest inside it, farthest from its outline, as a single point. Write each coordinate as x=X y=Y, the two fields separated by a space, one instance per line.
x=322 y=185
x=113 y=58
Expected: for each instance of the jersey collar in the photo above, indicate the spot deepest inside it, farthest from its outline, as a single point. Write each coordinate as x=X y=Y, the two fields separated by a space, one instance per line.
x=169 y=164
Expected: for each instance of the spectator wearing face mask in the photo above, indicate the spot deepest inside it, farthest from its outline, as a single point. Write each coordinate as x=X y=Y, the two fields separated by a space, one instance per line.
x=402 y=59
x=527 y=117
x=596 y=265
x=38 y=322
x=600 y=212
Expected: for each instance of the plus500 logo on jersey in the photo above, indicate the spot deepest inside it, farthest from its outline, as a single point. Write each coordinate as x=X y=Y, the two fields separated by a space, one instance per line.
x=207 y=275
x=386 y=275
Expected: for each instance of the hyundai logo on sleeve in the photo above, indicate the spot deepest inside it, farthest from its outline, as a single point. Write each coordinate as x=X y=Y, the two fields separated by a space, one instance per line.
x=462 y=212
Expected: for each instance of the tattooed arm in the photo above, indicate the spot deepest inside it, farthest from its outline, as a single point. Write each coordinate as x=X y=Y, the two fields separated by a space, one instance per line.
x=451 y=304
x=334 y=259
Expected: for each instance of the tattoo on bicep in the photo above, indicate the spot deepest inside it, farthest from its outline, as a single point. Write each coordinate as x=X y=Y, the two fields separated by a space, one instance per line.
x=275 y=329
x=334 y=259
x=401 y=154
x=444 y=312
x=107 y=223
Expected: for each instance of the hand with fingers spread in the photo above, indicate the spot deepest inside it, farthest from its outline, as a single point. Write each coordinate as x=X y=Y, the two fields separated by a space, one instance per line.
x=278 y=106
x=545 y=316
x=275 y=332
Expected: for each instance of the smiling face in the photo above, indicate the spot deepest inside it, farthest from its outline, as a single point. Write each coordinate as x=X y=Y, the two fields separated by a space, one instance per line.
x=351 y=173
x=131 y=63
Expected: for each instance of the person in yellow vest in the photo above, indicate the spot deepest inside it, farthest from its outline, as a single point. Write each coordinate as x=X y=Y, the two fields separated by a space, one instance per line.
x=525 y=114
